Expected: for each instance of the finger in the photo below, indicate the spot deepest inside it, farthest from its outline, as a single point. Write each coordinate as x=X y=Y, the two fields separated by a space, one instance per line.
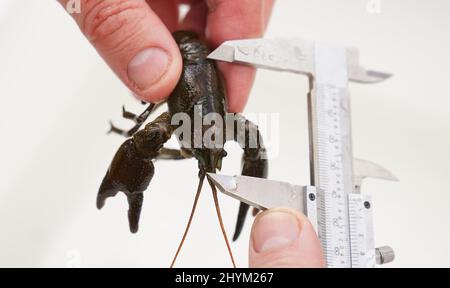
x=283 y=238
x=199 y=8
x=189 y=1
x=195 y=19
x=236 y=19
x=167 y=11
x=134 y=42
x=268 y=8
x=238 y=82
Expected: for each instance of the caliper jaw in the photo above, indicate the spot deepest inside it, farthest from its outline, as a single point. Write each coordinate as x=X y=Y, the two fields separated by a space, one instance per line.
x=291 y=55
x=358 y=73
x=364 y=169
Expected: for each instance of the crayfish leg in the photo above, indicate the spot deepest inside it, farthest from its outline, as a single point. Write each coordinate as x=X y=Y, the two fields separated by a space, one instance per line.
x=138 y=120
x=254 y=162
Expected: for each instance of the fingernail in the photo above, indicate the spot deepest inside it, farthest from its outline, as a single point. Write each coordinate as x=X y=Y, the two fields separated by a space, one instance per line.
x=147 y=67
x=275 y=230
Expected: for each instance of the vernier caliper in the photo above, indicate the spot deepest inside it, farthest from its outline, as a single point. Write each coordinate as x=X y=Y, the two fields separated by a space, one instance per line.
x=341 y=215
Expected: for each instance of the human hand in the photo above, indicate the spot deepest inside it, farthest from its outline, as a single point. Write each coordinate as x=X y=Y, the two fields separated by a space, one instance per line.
x=284 y=238
x=134 y=38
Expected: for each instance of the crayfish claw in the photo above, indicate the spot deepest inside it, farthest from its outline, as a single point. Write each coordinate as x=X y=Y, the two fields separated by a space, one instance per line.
x=132 y=169
x=243 y=208
x=254 y=165
x=130 y=172
x=134 y=212
x=106 y=191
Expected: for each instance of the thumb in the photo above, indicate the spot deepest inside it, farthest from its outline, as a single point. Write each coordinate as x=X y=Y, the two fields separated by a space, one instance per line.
x=134 y=42
x=284 y=238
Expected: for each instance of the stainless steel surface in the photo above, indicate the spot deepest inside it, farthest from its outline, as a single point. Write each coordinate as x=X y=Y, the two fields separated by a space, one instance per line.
x=310 y=194
x=265 y=194
x=384 y=255
x=365 y=169
x=343 y=215
x=361 y=231
x=292 y=55
x=331 y=146
x=260 y=194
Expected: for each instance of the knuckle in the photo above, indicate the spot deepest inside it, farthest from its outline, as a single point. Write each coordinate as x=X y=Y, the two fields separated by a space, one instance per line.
x=103 y=19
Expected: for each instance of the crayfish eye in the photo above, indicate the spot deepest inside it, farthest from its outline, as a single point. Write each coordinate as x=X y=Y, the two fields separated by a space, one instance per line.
x=224 y=153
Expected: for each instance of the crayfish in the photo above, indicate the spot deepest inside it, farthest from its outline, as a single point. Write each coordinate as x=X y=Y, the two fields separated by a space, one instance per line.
x=200 y=91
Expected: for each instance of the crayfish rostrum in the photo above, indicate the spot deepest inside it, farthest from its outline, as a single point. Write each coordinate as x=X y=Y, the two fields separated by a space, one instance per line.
x=199 y=91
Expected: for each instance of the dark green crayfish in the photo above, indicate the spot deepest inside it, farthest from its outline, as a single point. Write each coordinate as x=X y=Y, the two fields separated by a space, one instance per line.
x=200 y=85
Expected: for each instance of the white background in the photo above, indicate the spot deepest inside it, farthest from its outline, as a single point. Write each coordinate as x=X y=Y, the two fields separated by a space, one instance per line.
x=57 y=97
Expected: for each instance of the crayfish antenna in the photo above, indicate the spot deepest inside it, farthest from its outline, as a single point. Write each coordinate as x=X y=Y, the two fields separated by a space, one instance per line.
x=194 y=206
x=219 y=215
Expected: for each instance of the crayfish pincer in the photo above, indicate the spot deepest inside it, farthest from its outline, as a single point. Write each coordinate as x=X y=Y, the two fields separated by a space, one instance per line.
x=199 y=93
